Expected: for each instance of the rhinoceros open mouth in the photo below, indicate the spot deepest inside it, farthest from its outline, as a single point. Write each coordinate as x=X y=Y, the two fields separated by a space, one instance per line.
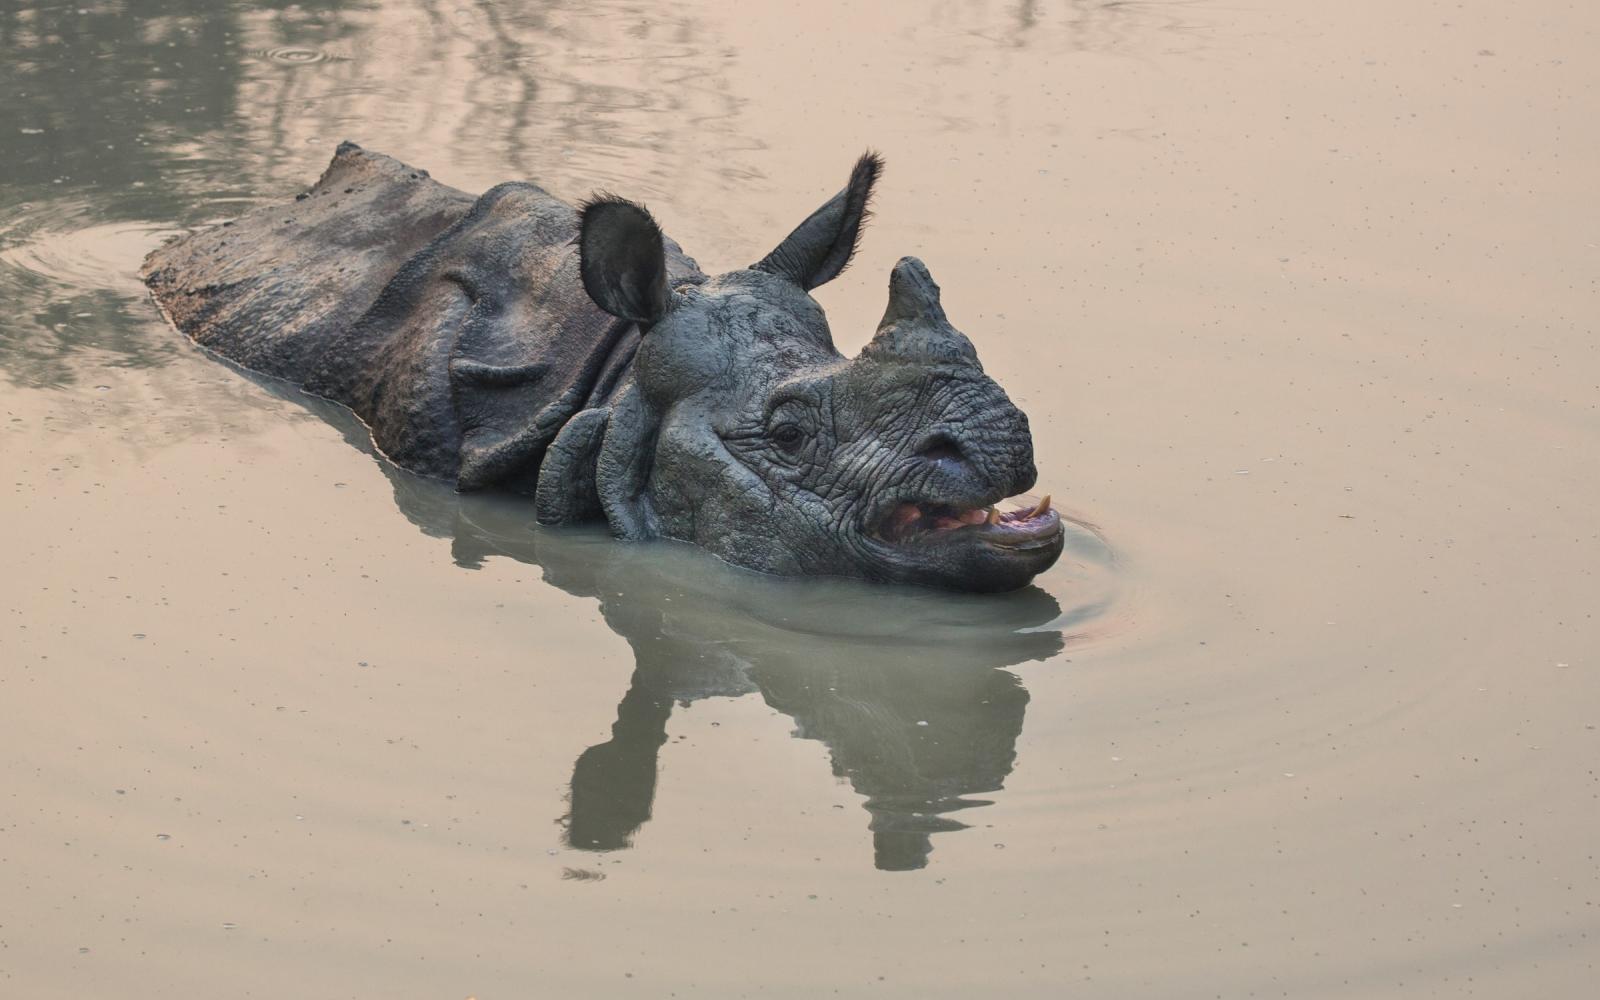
x=1028 y=525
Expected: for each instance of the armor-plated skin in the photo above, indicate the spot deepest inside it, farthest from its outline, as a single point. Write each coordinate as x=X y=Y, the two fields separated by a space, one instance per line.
x=512 y=341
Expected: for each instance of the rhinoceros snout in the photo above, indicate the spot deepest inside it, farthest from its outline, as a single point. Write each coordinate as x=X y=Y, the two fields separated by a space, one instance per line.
x=976 y=464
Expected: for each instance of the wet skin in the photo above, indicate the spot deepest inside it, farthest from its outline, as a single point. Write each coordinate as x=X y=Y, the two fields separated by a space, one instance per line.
x=577 y=355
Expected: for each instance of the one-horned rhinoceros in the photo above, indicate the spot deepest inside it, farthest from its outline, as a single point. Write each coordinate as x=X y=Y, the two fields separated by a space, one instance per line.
x=512 y=341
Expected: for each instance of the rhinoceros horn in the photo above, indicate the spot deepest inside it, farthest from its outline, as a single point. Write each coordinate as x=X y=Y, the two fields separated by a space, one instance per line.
x=914 y=329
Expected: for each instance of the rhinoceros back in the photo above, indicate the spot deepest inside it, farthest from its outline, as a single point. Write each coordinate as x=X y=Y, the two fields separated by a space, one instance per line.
x=456 y=327
x=271 y=289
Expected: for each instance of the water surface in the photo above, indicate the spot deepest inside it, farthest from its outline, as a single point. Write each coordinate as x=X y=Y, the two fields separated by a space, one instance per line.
x=1301 y=302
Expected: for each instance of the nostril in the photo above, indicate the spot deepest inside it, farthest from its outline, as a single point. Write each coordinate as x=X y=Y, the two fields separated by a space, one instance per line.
x=940 y=447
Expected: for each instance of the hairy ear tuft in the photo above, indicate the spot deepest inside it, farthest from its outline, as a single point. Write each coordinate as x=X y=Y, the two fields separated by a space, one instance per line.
x=622 y=258
x=821 y=247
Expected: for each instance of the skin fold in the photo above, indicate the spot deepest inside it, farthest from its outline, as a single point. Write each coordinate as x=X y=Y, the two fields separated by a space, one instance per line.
x=514 y=342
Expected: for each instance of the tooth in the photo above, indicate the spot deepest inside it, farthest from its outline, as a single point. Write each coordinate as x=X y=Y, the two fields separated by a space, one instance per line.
x=1044 y=505
x=994 y=516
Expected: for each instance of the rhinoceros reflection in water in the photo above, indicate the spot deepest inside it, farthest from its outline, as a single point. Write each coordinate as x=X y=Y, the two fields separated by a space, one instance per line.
x=905 y=688
x=918 y=734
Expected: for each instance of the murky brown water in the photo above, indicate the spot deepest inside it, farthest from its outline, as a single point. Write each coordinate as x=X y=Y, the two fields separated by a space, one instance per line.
x=1301 y=299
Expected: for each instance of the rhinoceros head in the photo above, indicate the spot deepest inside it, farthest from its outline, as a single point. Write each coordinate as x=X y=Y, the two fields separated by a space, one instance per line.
x=746 y=432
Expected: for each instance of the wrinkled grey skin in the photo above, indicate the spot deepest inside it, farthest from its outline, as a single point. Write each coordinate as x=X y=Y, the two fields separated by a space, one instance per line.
x=514 y=342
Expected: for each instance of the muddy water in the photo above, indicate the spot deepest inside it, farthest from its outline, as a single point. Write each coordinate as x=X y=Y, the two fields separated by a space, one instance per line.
x=1301 y=299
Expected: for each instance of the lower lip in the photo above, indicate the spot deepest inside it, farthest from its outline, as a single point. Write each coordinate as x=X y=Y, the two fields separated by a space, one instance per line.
x=1026 y=544
x=1043 y=531
x=1035 y=532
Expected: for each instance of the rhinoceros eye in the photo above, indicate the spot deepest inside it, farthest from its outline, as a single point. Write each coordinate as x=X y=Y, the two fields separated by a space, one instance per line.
x=788 y=436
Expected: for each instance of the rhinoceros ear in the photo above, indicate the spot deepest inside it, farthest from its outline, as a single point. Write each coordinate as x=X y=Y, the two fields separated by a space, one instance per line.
x=623 y=261
x=822 y=246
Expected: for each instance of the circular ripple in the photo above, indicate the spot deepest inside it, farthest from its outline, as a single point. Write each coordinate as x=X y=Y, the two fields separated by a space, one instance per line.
x=295 y=56
x=104 y=256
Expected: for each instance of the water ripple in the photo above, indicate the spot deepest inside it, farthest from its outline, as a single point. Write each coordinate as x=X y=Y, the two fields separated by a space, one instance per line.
x=290 y=55
x=104 y=256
